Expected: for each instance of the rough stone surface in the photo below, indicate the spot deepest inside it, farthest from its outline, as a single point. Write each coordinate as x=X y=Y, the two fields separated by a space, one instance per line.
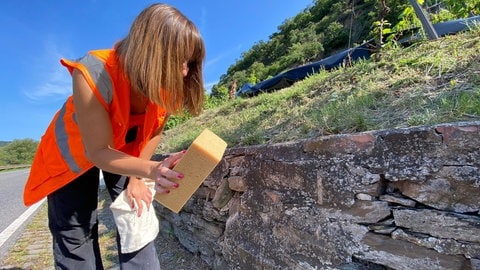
x=389 y=199
x=399 y=254
x=439 y=224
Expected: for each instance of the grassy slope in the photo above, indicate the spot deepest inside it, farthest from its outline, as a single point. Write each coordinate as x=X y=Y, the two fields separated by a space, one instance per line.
x=428 y=83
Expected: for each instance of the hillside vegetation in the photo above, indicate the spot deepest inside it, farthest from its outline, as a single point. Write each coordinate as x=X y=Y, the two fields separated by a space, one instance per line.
x=427 y=83
x=328 y=26
x=17 y=152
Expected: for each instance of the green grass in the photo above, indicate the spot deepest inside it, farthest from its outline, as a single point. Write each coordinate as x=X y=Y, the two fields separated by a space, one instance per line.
x=428 y=83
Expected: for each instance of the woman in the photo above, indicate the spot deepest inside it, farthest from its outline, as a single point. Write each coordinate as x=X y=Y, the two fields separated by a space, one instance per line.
x=113 y=121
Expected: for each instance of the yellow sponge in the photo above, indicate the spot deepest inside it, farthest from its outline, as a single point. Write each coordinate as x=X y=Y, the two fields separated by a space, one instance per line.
x=201 y=158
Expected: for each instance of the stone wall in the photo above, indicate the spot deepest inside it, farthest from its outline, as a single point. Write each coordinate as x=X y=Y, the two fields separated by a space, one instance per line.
x=390 y=199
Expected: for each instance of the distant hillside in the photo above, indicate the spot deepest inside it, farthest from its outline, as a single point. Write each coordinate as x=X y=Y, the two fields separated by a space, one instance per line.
x=428 y=83
x=326 y=27
x=321 y=29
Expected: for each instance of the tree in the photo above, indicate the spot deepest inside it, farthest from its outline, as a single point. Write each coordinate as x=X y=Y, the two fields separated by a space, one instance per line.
x=220 y=92
x=463 y=9
x=336 y=36
x=18 y=152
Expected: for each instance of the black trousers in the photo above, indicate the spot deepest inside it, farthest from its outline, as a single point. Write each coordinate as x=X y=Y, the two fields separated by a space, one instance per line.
x=73 y=222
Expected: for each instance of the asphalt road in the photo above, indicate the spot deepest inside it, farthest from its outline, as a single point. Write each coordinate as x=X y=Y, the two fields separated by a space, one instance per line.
x=11 y=196
x=13 y=213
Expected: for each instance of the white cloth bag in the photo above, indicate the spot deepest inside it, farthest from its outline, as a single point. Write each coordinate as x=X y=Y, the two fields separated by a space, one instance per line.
x=135 y=232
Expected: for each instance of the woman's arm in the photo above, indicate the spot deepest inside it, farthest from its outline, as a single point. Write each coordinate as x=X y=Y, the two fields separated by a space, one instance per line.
x=96 y=131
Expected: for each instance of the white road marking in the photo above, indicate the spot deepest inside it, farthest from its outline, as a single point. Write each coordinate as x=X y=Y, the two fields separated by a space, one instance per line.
x=12 y=228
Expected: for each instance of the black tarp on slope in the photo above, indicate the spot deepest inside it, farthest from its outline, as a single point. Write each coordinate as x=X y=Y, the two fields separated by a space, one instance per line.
x=289 y=77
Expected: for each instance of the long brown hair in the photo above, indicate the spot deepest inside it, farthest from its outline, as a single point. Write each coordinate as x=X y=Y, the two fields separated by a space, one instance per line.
x=160 y=40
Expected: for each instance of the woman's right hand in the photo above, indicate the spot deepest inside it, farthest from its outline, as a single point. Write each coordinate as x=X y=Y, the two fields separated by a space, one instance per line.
x=167 y=178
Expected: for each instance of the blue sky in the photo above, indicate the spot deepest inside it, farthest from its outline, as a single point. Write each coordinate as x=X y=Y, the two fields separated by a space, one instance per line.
x=37 y=33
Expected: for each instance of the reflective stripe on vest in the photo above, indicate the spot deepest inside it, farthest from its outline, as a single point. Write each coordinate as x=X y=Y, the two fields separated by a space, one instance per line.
x=99 y=75
x=62 y=140
x=104 y=84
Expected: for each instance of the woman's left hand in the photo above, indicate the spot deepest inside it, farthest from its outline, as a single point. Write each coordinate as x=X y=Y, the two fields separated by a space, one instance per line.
x=137 y=192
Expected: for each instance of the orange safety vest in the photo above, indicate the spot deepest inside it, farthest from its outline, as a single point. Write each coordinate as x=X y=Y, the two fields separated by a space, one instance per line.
x=60 y=157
